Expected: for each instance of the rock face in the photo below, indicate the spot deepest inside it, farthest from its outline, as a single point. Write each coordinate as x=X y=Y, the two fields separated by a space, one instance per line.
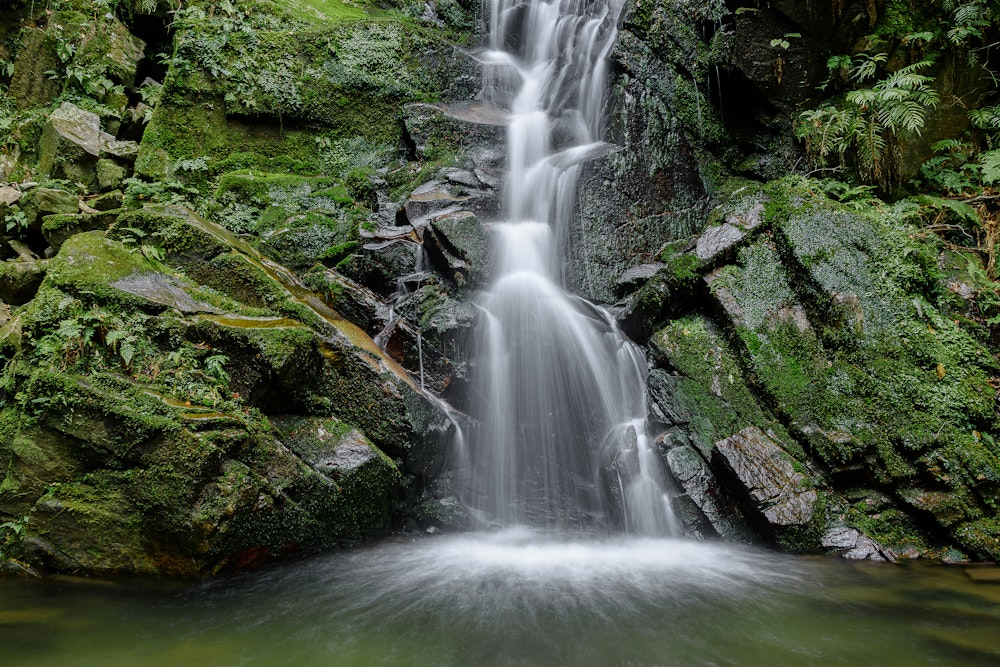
x=766 y=473
x=800 y=386
x=223 y=411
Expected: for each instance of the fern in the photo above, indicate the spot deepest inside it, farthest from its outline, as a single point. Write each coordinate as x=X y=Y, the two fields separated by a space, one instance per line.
x=987 y=118
x=960 y=209
x=866 y=66
x=871 y=119
x=990 y=162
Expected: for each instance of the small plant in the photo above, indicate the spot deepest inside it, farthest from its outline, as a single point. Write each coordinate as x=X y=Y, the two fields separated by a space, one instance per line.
x=193 y=164
x=123 y=342
x=11 y=532
x=215 y=367
x=16 y=220
x=782 y=44
x=870 y=120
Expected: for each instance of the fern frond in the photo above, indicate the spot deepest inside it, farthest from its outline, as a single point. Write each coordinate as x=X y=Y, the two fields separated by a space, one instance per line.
x=866 y=66
x=962 y=210
x=986 y=118
x=947 y=145
x=990 y=161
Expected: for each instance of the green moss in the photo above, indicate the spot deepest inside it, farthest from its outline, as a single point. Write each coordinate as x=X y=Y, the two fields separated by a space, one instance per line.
x=682 y=270
x=234 y=275
x=89 y=262
x=890 y=527
x=184 y=242
x=981 y=538
x=259 y=187
x=713 y=391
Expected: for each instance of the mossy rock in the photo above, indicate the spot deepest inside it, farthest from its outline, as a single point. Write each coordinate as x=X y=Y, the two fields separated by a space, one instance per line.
x=30 y=86
x=237 y=277
x=175 y=228
x=90 y=262
x=19 y=281
x=711 y=389
x=58 y=228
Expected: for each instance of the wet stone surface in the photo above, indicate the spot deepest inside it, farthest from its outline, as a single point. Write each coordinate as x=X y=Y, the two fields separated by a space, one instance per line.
x=767 y=473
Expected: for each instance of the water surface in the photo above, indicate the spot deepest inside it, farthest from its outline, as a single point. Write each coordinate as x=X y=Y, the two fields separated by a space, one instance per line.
x=519 y=598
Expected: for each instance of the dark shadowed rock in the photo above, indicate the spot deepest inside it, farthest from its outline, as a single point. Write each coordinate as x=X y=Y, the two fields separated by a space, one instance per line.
x=19 y=280
x=695 y=476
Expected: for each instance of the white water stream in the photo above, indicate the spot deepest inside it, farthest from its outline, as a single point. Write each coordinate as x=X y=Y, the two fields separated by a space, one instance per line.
x=559 y=400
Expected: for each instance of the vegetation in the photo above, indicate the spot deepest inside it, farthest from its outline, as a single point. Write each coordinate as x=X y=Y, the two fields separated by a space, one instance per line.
x=174 y=375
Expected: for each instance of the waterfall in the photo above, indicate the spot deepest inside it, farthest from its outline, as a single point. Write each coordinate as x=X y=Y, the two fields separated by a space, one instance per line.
x=559 y=404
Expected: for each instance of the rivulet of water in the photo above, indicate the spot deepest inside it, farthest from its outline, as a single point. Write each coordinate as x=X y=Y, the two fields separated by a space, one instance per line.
x=558 y=393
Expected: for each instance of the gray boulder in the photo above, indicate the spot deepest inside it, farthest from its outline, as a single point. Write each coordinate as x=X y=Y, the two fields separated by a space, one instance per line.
x=779 y=493
x=70 y=144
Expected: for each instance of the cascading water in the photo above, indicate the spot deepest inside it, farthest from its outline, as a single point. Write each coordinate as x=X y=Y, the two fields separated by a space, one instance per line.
x=559 y=402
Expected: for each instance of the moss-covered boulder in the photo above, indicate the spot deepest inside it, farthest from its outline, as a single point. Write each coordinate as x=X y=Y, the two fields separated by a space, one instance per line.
x=137 y=412
x=827 y=329
x=70 y=144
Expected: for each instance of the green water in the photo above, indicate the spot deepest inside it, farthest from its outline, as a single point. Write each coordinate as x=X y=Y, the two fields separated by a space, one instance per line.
x=519 y=600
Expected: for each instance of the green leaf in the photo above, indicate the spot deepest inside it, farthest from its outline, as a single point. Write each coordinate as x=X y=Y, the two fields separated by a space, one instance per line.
x=69 y=329
x=960 y=209
x=990 y=161
x=126 y=350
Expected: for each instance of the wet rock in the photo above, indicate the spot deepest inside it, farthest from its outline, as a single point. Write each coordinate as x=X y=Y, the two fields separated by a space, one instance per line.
x=435 y=199
x=458 y=244
x=767 y=474
x=648 y=193
x=475 y=129
x=715 y=242
x=637 y=275
x=162 y=290
x=662 y=389
x=695 y=476
x=461 y=177
x=852 y=544
x=70 y=144
x=489 y=177
x=346 y=457
x=619 y=471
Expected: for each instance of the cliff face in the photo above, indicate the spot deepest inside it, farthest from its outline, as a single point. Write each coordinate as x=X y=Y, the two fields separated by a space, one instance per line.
x=212 y=214
x=824 y=362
